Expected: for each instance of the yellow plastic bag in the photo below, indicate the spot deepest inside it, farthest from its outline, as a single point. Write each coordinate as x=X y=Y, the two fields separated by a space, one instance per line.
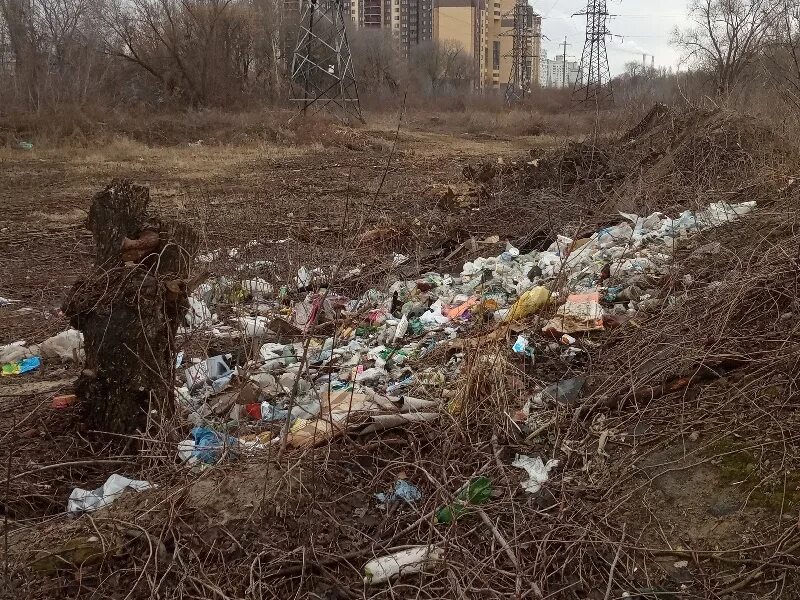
x=530 y=302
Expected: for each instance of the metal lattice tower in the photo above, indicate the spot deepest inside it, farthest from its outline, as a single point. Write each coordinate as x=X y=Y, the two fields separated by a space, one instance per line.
x=322 y=66
x=594 y=76
x=519 y=81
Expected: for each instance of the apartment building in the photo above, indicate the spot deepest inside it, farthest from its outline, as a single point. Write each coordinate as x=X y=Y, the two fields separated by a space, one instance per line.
x=485 y=30
x=465 y=23
x=501 y=38
x=374 y=14
x=410 y=21
x=556 y=73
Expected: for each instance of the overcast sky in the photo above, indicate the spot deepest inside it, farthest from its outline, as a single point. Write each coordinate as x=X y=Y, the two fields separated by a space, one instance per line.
x=642 y=26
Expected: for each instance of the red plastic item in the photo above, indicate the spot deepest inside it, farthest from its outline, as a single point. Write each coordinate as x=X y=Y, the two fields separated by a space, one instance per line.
x=254 y=410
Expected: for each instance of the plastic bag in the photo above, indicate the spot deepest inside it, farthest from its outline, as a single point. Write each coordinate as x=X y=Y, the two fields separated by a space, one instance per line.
x=81 y=500
x=530 y=302
x=538 y=471
x=66 y=345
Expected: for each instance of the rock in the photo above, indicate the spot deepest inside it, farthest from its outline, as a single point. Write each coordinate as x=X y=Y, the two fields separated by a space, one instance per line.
x=564 y=392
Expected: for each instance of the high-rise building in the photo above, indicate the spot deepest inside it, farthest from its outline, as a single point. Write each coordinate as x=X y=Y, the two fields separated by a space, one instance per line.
x=410 y=21
x=367 y=13
x=557 y=73
x=464 y=22
x=485 y=30
x=482 y=28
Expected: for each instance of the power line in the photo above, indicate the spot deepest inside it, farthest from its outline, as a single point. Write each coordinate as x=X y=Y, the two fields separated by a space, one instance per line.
x=323 y=77
x=594 y=76
x=522 y=32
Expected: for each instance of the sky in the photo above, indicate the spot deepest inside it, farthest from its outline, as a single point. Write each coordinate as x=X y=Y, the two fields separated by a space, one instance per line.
x=642 y=26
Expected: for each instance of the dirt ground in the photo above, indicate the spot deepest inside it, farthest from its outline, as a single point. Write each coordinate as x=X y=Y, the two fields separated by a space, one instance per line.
x=235 y=193
x=700 y=485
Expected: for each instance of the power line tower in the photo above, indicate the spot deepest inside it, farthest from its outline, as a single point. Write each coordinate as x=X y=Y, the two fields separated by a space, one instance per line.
x=519 y=81
x=594 y=76
x=564 y=77
x=322 y=66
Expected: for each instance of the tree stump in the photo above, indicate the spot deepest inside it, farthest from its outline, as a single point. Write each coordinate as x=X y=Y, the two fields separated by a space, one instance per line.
x=129 y=309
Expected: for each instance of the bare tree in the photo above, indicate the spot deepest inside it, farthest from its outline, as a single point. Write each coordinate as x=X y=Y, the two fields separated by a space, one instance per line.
x=442 y=64
x=782 y=59
x=26 y=45
x=377 y=60
x=54 y=46
x=275 y=34
x=204 y=51
x=727 y=36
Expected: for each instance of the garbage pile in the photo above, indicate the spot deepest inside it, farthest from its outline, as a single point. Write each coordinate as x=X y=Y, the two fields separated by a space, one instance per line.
x=307 y=370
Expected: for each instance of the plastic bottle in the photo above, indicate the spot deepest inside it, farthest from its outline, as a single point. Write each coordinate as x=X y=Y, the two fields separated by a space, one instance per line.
x=402 y=328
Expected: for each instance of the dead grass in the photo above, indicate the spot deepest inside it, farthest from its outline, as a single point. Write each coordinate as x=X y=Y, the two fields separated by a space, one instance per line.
x=87 y=127
x=119 y=132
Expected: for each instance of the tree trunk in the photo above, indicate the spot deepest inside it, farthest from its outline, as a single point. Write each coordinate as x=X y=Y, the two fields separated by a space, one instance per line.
x=129 y=309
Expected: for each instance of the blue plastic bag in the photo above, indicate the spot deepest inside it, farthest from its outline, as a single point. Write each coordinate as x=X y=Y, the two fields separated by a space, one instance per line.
x=402 y=491
x=209 y=444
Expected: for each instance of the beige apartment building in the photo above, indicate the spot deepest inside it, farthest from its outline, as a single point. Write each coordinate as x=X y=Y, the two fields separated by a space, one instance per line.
x=484 y=29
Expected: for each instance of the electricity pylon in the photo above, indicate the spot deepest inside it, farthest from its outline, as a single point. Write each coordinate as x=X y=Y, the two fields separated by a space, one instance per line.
x=322 y=66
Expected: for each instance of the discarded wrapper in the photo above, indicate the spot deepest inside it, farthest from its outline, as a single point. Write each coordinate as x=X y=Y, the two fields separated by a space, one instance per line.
x=81 y=500
x=538 y=471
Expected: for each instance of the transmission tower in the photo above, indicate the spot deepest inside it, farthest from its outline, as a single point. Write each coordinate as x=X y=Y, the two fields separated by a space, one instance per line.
x=594 y=76
x=519 y=81
x=322 y=66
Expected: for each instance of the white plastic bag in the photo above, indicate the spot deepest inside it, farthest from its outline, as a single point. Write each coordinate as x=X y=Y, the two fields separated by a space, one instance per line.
x=198 y=315
x=434 y=316
x=258 y=288
x=13 y=352
x=67 y=345
x=81 y=500
x=254 y=326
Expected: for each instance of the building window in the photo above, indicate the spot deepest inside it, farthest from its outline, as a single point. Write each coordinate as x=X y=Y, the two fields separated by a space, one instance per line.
x=496 y=55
